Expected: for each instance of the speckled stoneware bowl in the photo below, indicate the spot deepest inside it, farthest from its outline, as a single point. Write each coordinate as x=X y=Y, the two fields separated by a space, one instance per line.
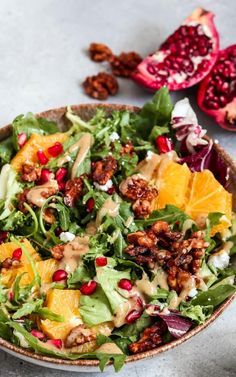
x=86 y=112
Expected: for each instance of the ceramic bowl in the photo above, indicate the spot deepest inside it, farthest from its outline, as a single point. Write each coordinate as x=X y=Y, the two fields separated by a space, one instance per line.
x=86 y=111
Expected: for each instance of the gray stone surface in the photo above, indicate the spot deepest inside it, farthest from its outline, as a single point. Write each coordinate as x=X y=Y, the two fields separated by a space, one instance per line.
x=42 y=64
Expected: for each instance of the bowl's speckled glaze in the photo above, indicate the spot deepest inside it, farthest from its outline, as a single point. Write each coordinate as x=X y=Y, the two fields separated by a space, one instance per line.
x=86 y=111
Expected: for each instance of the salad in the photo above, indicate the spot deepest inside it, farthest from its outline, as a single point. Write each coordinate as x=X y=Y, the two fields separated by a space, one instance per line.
x=116 y=235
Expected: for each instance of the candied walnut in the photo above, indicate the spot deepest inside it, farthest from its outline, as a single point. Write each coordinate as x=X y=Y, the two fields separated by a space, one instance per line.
x=48 y=192
x=143 y=256
x=79 y=335
x=101 y=86
x=124 y=64
x=160 y=226
x=57 y=251
x=128 y=148
x=142 y=208
x=103 y=170
x=150 y=338
x=140 y=238
x=99 y=52
x=30 y=173
x=73 y=191
x=9 y=263
x=22 y=198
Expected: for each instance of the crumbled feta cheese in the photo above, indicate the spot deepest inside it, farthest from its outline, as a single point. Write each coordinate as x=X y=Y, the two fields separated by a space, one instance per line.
x=114 y=136
x=105 y=187
x=192 y=292
x=216 y=141
x=219 y=260
x=149 y=155
x=66 y=236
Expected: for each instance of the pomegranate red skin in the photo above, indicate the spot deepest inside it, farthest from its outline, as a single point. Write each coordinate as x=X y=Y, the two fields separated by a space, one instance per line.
x=59 y=275
x=61 y=174
x=55 y=149
x=88 y=288
x=223 y=88
x=90 y=205
x=133 y=316
x=101 y=261
x=17 y=254
x=45 y=176
x=171 y=65
x=125 y=284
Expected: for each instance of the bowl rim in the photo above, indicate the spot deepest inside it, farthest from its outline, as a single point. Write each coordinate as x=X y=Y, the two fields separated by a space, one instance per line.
x=53 y=114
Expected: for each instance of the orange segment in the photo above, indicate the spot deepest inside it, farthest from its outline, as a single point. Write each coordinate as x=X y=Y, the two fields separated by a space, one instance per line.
x=9 y=276
x=46 y=269
x=65 y=303
x=28 y=153
x=208 y=195
x=172 y=182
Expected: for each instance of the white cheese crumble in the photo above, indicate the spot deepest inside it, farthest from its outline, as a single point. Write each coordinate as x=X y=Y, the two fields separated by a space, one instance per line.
x=149 y=155
x=66 y=236
x=114 y=136
x=105 y=187
x=192 y=292
x=219 y=260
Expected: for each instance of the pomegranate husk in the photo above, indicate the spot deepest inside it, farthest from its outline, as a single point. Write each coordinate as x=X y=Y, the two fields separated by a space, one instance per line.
x=225 y=115
x=188 y=70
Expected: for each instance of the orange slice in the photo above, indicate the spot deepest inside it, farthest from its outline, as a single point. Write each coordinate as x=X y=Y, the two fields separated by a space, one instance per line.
x=46 y=268
x=8 y=276
x=172 y=182
x=65 y=303
x=28 y=153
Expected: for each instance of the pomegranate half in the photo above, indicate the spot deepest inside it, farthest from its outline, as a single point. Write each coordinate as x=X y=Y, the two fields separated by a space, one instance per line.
x=217 y=92
x=185 y=58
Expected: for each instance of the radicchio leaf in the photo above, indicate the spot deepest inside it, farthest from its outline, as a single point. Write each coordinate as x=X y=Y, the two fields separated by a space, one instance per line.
x=177 y=325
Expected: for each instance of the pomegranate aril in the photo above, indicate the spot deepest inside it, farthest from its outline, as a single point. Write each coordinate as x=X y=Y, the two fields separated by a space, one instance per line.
x=125 y=284
x=133 y=316
x=45 y=176
x=38 y=334
x=59 y=275
x=42 y=158
x=164 y=144
x=88 y=288
x=22 y=139
x=3 y=236
x=61 y=174
x=55 y=150
x=111 y=190
x=101 y=261
x=90 y=205
x=58 y=231
x=10 y=296
x=55 y=342
x=17 y=254
x=62 y=186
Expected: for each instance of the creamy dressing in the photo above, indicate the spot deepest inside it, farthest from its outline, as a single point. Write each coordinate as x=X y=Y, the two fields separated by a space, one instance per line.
x=35 y=195
x=110 y=208
x=82 y=145
x=148 y=167
x=109 y=348
x=188 y=286
x=91 y=228
x=73 y=251
x=122 y=310
x=149 y=288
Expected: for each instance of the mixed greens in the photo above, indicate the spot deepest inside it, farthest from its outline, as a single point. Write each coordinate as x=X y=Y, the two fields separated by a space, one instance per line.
x=75 y=258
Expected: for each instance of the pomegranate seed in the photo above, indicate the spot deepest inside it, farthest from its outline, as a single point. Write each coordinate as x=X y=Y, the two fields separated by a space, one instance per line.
x=125 y=284
x=88 y=288
x=164 y=144
x=3 y=236
x=58 y=231
x=111 y=190
x=38 y=334
x=45 y=176
x=10 y=296
x=55 y=149
x=43 y=160
x=55 y=342
x=22 y=138
x=90 y=205
x=139 y=302
x=61 y=173
x=59 y=275
x=61 y=186
x=133 y=316
x=17 y=254
x=101 y=261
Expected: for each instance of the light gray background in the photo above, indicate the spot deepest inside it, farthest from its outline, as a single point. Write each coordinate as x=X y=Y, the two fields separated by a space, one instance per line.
x=42 y=64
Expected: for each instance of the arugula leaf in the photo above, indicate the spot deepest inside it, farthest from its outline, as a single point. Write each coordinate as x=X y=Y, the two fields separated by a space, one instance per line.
x=6 y=150
x=156 y=112
x=16 y=220
x=95 y=309
x=170 y=214
x=214 y=296
x=29 y=125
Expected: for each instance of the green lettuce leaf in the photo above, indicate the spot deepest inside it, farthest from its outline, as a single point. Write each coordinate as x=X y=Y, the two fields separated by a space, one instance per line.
x=197 y=313
x=214 y=296
x=9 y=187
x=6 y=150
